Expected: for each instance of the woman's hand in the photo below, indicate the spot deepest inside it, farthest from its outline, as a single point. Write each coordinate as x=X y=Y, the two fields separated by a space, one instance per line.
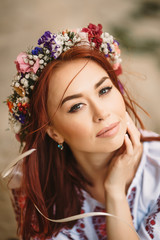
x=123 y=166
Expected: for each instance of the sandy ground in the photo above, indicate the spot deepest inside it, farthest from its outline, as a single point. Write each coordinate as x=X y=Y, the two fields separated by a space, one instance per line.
x=23 y=22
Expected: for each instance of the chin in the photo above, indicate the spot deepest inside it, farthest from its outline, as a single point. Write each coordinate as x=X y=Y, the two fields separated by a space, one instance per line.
x=115 y=144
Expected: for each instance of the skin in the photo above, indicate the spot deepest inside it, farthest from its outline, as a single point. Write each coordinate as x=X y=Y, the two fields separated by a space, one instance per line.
x=108 y=162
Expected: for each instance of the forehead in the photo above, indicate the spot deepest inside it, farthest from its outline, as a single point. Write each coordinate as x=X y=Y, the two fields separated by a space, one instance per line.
x=87 y=77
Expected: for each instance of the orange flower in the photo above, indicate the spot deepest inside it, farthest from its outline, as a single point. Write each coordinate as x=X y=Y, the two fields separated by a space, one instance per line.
x=10 y=106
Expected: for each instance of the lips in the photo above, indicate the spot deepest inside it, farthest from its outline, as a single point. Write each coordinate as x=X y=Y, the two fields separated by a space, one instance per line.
x=107 y=129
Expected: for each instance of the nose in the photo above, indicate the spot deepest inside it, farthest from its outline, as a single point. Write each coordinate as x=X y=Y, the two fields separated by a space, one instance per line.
x=99 y=113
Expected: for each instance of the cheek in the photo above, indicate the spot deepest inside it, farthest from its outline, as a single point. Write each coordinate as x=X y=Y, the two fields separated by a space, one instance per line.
x=73 y=130
x=120 y=104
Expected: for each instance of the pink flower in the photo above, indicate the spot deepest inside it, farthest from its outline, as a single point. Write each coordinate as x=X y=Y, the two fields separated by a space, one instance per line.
x=18 y=137
x=23 y=65
x=117 y=48
x=118 y=70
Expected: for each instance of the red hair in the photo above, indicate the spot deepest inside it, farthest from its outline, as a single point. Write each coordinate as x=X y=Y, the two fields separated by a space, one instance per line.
x=51 y=176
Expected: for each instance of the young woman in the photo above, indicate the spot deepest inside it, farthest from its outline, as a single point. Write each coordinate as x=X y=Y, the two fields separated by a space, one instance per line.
x=69 y=105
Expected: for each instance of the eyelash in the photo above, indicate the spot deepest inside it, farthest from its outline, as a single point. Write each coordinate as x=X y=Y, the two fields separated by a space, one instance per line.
x=106 y=88
x=76 y=107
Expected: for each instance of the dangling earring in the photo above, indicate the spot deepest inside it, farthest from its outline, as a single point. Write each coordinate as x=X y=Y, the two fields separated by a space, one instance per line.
x=60 y=146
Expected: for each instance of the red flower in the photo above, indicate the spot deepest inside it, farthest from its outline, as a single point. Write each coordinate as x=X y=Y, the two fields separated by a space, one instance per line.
x=94 y=33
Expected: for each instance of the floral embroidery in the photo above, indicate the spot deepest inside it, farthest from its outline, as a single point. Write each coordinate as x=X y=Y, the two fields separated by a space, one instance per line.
x=151 y=221
x=99 y=223
x=18 y=203
x=66 y=232
x=80 y=226
x=131 y=199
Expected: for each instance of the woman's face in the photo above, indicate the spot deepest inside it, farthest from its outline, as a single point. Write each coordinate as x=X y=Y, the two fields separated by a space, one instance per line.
x=92 y=116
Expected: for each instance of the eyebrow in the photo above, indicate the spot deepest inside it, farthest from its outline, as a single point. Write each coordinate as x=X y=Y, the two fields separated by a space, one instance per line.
x=80 y=94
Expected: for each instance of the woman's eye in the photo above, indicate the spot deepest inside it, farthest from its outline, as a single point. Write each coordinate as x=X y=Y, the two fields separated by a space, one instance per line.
x=104 y=90
x=75 y=108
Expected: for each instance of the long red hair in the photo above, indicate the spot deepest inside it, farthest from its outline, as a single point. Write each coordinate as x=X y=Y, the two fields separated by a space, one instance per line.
x=51 y=178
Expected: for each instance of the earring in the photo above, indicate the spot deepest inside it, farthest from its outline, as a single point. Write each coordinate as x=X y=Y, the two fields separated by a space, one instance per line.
x=60 y=146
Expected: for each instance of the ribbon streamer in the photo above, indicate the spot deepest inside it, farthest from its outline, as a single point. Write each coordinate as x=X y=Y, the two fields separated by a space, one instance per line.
x=9 y=168
x=84 y=215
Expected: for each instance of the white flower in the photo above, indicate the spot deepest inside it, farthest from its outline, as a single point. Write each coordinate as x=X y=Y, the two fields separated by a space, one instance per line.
x=31 y=87
x=41 y=66
x=93 y=44
x=103 y=45
x=17 y=84
x=105 y=35
x=23 y=80
x=45 y=58
x=75 y=39
x=17 y=78
x=105 y=50
x=27 y=75
x=35 y=57
x=59 y=40
x=112 y=47
x=17 y=127
x=34 y=77
x=31 y=62
x=47 y=51
x=116 y=57
x=30 y=56
x=66 y=48
x=83 y=36
x=25 y=60
x=26 y=99
x=40 y=55
x=41 y=61
x=69 y=43
x=65 y=37
x=25 y=83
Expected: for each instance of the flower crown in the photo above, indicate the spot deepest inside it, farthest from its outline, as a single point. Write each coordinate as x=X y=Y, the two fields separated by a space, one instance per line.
x=31 y=63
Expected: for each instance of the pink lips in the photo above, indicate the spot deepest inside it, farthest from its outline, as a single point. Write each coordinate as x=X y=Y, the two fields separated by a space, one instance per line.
x=111 y=130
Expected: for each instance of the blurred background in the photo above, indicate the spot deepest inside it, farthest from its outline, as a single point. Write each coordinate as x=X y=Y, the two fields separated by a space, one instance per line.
x=135 y=24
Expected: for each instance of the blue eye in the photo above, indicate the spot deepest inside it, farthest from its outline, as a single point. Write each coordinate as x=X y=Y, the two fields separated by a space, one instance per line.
x=75 y=108
x=104 y=90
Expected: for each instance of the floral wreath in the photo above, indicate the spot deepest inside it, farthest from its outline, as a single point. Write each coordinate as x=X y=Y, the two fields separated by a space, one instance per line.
x=30 y=64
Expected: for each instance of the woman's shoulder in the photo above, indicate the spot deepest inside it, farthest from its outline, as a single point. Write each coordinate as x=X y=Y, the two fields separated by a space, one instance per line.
x=151 y=148
x=148 y=174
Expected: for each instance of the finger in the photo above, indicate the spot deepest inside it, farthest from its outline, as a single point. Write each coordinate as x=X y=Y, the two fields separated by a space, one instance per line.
x=133 y=132
x=128 y=144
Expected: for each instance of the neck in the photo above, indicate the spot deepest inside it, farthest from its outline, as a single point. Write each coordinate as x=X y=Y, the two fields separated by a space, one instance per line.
x=93 y=166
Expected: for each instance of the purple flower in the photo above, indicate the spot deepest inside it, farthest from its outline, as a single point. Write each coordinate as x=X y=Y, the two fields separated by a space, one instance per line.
x=109 y=48
x=46 y=37
x=48 y=40
x=15 y=116
x=22 y=118
x=115 y=41
x=37 y=50
x=121 y=86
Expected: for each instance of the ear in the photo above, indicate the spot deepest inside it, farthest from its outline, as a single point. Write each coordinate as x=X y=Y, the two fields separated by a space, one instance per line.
x=54 y=134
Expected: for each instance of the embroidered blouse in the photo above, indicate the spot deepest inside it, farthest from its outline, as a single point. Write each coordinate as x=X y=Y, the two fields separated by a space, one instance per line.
x=143 y=198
